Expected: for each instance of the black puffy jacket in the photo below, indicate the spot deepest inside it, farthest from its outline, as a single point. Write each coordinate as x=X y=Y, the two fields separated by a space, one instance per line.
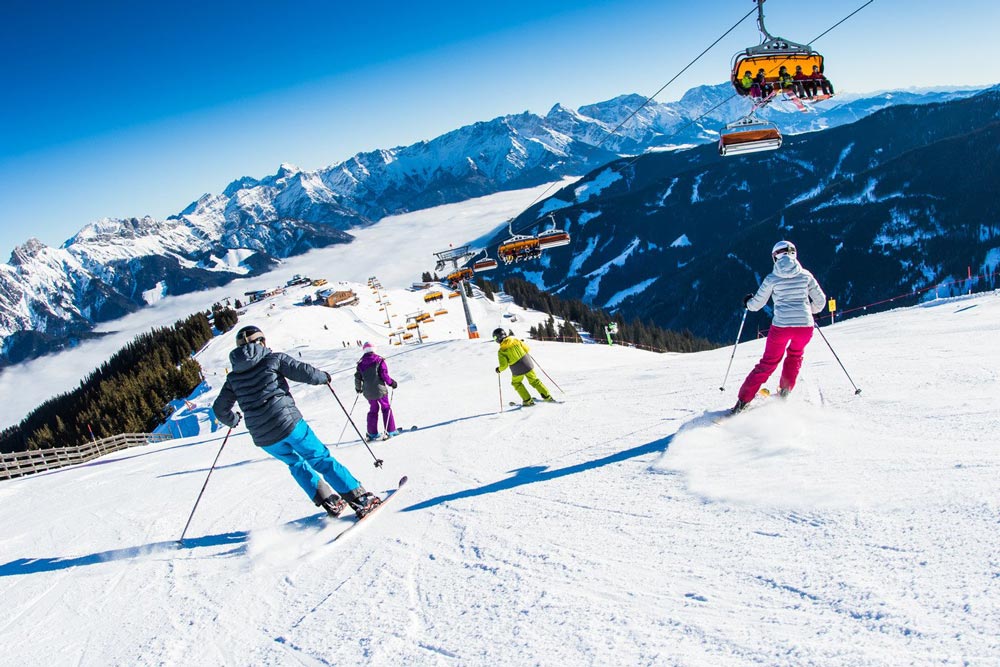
x=258 y=383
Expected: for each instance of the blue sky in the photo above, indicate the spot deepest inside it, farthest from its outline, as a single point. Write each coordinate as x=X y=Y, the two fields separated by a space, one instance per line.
x=126 y=109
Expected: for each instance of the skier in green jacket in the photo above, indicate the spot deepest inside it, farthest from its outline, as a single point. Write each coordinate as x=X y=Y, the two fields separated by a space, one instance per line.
x=513 y=354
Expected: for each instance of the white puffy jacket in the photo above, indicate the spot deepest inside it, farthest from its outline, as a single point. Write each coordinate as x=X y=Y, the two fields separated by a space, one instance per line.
x=797 y=296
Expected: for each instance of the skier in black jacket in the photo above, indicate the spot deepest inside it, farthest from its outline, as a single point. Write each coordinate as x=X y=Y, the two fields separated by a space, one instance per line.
x=259 y=383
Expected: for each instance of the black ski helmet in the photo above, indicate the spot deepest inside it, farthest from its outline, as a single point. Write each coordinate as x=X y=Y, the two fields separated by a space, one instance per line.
x=248 y=335
x=499 y=334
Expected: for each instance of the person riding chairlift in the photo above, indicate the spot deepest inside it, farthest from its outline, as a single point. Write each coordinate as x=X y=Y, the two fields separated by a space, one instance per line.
x=762 y=84
x=789 y=85
x=748 y=84
x=805 y=82
x=821 y=81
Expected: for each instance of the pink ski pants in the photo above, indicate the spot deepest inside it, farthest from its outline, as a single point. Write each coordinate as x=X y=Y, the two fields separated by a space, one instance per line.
x=795 y=340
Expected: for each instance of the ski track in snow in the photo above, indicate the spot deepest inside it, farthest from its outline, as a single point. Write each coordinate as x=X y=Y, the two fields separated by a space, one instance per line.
x=622 y=527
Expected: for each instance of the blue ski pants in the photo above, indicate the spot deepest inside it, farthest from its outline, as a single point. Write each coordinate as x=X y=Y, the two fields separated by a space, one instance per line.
x=307 y=458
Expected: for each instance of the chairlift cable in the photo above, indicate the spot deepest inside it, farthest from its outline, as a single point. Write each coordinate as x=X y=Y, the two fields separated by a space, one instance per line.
x=842 y=20
x=675 y=77
x=675 y=133
x=651 y=97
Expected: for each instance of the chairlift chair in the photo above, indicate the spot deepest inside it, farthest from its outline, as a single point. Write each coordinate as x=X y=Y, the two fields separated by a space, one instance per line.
x=553 y=238
x=771 y=55
x=459 y=275
x=518 y=247
x=487 y=263
x=749 y=135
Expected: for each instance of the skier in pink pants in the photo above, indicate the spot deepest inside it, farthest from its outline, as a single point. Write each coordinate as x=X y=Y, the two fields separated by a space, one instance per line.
x=797 y=297
x=372 y=379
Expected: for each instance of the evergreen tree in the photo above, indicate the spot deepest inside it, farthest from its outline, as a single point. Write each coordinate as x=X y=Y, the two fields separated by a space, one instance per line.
x=594 y=321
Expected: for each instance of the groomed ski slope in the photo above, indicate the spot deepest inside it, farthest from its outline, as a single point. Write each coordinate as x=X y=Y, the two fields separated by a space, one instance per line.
x=619 y=528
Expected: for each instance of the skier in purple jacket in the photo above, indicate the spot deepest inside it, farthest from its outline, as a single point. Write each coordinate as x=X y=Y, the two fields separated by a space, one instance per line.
x=372 y=379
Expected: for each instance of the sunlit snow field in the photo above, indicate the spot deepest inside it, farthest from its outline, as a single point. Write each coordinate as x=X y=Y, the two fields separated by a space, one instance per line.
x=622 y=527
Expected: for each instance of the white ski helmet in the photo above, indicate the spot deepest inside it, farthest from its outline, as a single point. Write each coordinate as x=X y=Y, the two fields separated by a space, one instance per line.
x=782 y=247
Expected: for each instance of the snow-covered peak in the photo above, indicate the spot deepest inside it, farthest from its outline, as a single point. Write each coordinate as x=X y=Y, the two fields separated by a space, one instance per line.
x=26 y=252
x=240 y=184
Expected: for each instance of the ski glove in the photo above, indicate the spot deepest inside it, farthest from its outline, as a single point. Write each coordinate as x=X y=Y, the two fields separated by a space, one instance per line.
x=746 y=299
x=394 y=384
x=236 y=422
x=329 y=379
x=498 y=370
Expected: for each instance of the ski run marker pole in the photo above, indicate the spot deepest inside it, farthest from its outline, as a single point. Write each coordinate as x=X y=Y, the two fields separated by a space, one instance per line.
x=204 y=486
x=856 y=389
x=378 y=461
x=738 y=334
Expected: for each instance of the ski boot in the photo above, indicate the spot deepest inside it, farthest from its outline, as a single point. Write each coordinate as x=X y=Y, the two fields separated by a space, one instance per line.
x=361 y=501
x=528 y=403
x=548 y=399
x=738 y=408
x=372 y=437
x=784 y=392
x=398 y=431
x=330 y=501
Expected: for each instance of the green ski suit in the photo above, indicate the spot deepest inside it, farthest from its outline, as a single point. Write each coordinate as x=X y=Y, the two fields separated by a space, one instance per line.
x=513 y=354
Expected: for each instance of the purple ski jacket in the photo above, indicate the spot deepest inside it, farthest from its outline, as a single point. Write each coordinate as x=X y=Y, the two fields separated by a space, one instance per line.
x=372 y=377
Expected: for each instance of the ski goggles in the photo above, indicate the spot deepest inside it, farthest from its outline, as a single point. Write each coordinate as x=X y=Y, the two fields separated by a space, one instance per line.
x=790 y=250
x=253 y=338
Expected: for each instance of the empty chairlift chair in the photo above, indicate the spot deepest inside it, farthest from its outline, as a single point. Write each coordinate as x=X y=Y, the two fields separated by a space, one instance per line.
x=749 y=135
x=487 y=263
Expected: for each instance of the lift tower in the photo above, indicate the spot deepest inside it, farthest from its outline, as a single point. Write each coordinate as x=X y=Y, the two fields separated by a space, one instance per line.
x=455 y=257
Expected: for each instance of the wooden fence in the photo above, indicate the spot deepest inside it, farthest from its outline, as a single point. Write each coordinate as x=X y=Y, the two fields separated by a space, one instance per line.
x=38 y=460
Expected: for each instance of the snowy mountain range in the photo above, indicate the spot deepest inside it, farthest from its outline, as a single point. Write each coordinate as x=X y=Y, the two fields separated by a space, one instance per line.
x=51 y=296
x=899 y=201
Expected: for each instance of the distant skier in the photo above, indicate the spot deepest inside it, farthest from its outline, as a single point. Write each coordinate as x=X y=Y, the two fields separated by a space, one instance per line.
x=372 y=379
x=259 y=384
x=513 y=354
x=797 y=297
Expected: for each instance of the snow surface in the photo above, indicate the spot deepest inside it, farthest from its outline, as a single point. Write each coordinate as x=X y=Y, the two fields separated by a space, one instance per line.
x=623 y=527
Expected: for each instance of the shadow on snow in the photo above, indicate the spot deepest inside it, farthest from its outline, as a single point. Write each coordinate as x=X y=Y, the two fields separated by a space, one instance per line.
x=533 y=474
x=236 y=539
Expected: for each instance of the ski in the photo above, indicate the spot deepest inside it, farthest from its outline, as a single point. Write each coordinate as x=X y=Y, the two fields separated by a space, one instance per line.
x=389 y=496
x=762 y=393
x=515 y=404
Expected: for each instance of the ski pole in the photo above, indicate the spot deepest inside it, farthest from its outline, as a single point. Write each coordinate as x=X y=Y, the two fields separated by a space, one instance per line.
x=857 y=390
x=203 y=486
x=500 y=389
x=341 y=436
x=378 y=461
x=547 y=375
x=738 y=334
x=391 y=415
